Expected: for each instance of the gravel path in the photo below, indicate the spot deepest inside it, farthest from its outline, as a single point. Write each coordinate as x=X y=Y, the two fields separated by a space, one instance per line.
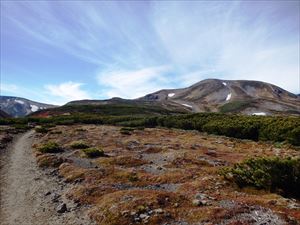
x=23 y=199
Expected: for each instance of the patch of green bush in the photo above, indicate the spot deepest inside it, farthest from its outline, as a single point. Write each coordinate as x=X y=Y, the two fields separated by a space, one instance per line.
x=265 y=128
x=50 y=147
x=234 y=106
x=41 y=129
x=21 y=127
x=273 y=174
x=93 y=152
x=126 y=130
x=79 y=145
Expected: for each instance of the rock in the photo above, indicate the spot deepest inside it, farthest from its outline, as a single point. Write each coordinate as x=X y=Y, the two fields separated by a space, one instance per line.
x=144 y=216
x=197 y=202
x=125 y=213
x=201 y=196
x=55 y=197
x=195 y=146
x=294 y=206
x=78 y=180
x=211 y=152
x=61 y=208
x=159 y=168
x=48 y=193
x=272 y=202
x=133 y=213
x=158 y=211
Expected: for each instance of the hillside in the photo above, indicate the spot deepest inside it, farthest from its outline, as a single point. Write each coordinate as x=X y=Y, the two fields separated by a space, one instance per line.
x=114 y=106
x=19 y=107
x=3 y=114
x=212 y=95
x=160 y=176
x=236 y=96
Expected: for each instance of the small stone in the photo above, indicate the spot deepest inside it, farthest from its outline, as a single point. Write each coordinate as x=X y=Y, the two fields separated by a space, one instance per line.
x=48 y=193
x=158 y=211
x=272 y=202
x=197 y=202
x=55 y=197
x=201 y=196
x=211 y=153
x=133 y=213
x=61 y=208
x=176 y=204
x=144 y=216
x=294 y=206
x=125 y=213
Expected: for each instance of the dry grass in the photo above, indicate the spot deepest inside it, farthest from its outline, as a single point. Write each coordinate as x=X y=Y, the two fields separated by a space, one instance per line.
x=160 y=168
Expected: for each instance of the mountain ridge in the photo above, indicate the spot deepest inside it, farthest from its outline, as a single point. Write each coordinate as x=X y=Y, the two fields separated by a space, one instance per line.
x=19 y=107
x=211 y=95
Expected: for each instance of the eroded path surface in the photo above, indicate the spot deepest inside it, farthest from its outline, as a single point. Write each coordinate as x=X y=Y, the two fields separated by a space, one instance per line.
x=24 y=198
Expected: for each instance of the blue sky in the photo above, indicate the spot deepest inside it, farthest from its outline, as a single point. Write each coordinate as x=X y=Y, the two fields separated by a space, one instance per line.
x=57 y=51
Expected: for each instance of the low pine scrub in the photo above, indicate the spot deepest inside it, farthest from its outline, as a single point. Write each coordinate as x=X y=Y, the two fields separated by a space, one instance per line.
x=50 y=147
x=41 y=129
x=126 y=130
x=79 y=145
x=273 y=174
x=93 y=152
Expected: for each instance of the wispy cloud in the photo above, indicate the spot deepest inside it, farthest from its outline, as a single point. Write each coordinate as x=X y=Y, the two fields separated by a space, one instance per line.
x=67 y=91
x=128 y=42
x=133 y=83
x=258 y=41
x=10 y=88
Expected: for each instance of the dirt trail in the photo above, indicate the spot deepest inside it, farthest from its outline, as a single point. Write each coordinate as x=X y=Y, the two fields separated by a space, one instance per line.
x=23 y=199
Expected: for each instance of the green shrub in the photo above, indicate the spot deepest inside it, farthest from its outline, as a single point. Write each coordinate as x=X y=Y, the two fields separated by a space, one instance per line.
x=126 y=130
x=234 y=106
x=93 y=152
x=50 y=147
x=21 y=126
x=294 y=136
x=79 y=145
x=274 y=174
x=41 y=129
x=132 y=177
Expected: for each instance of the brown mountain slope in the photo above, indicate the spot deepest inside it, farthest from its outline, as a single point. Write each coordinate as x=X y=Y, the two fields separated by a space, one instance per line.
x=211 y=95
x=241 y=96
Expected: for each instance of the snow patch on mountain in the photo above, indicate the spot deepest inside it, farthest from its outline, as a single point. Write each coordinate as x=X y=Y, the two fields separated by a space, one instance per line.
x=171 y=95
x=259 y=114
x=224 y=83
x=187 y=105
x=228 y=97
x=34 y=108
x=19 y=101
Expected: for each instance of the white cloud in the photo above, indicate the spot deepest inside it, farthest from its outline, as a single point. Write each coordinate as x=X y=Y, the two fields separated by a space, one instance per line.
x=232 y=44
x=67 y=91
x=133 y=83
x=10 y=88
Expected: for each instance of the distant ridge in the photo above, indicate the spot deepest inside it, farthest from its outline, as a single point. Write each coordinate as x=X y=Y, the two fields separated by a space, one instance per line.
x=237 y=96
x=211 y=95
x=19 y=107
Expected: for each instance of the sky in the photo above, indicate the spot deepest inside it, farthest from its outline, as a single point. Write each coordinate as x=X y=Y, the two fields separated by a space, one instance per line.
x=58 y=51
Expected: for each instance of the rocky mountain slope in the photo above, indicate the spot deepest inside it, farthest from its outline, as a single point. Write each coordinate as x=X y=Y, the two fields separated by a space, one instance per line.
x=211 y=95
x=240 y=96
x=18 y=107
x=3 y=114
